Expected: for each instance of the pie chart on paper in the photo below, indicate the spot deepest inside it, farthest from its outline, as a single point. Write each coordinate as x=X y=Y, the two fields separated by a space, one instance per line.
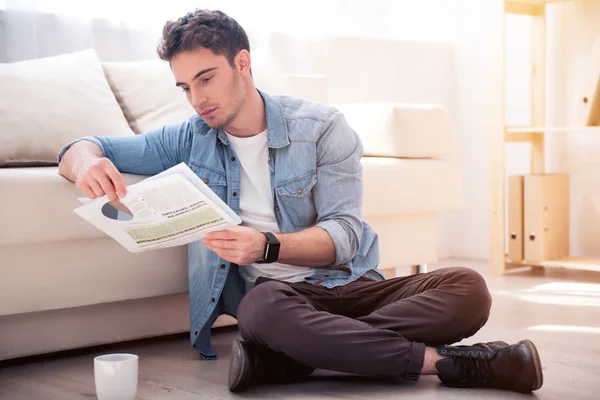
x=117 y=211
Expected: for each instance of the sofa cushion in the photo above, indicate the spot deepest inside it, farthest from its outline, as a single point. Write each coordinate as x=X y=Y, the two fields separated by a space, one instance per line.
x=309 y=86
x=51 y=101
x=147 y=94
x=401 y=130
x=36 y=205
x=403 y=186
x=406 y=239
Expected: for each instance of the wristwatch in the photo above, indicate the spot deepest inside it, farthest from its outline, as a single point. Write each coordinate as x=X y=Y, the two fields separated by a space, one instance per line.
x=271 y=252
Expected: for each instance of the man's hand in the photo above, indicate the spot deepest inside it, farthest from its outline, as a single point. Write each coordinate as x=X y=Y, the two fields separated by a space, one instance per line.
x=99 y=177
x=93 y=174
x=240 y=245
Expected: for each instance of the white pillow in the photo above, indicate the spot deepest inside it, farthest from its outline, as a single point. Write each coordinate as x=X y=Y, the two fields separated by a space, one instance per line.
x=149 y=98
x=147 y=94
x=48 y=102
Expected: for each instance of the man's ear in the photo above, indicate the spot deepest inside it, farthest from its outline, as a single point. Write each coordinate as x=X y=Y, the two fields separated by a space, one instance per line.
x=243 y=61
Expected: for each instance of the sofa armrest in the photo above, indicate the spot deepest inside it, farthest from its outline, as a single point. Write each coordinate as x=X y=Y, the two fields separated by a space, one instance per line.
x=402 y=130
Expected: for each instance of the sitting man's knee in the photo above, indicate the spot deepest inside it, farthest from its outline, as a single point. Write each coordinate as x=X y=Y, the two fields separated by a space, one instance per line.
x=260 y=306
x=477 y=294
x=480 y=292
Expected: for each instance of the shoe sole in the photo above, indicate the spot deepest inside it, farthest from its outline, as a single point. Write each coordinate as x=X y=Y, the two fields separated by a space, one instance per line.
x=539 y=376
x=241 y=379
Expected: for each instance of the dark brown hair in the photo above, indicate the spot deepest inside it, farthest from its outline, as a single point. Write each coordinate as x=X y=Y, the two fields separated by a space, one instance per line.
x=213 y=30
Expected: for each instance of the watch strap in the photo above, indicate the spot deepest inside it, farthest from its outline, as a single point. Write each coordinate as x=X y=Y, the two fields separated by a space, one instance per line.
x=271 y=251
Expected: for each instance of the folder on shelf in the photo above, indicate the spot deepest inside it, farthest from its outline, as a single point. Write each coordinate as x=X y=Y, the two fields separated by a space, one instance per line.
x=515 y=218
x=546 y=217
x=594 y=115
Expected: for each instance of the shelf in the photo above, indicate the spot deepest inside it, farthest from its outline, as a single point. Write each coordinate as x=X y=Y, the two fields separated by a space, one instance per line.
x=533 y=134
x=580 y=263
x=538 y=1
x=536 y=135
x=550 y=129
x=529 y=7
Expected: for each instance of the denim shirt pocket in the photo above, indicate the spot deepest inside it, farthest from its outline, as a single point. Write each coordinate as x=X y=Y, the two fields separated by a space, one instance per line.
x=295 y=198
x=213 y=178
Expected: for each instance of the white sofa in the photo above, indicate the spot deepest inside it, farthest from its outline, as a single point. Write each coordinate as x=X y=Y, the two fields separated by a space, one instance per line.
x=64 y=284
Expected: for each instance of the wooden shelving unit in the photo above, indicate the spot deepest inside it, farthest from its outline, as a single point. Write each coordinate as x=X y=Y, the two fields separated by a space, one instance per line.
x=535 y=135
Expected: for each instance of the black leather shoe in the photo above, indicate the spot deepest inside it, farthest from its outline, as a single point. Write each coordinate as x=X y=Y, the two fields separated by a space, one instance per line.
x=496 y=364
x=252 y=364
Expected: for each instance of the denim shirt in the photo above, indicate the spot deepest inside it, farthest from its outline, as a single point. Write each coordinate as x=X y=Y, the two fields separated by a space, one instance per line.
x=316 y=179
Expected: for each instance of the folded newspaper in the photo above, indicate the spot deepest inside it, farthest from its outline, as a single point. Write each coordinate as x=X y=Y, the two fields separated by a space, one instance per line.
x=170 y=209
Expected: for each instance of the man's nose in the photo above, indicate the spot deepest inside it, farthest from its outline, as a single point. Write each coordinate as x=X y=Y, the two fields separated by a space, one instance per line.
x=198 y=100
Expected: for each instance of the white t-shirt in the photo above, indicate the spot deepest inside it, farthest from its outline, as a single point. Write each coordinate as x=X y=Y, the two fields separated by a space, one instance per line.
x=256 y=204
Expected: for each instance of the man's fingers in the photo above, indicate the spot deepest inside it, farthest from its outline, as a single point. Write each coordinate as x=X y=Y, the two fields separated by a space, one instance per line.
x=220 y=244
x=221 y=235
x=97 y=189
x=231 y=255
x=221 y=252
x=108 y=188
x=117 y=180
x=226 y=254
x=89 y=192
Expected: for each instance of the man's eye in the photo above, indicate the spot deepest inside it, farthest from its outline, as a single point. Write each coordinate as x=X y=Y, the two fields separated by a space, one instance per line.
x=185 y=89
x=205 y=80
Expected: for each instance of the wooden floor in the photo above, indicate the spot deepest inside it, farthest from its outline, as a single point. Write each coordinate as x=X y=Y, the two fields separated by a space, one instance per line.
x=558 y=310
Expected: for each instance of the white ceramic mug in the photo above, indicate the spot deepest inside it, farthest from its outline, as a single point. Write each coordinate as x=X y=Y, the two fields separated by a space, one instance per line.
x=116 y=376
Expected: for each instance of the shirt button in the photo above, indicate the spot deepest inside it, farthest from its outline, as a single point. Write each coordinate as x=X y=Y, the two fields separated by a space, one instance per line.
x=222 y=266
x=212 y=300
x=206 y=181
x=234 y=194
x=299 y=191
x=276 y=208
x=232 y=158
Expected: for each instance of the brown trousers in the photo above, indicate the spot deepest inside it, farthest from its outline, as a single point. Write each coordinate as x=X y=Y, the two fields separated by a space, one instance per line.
x=377 y=328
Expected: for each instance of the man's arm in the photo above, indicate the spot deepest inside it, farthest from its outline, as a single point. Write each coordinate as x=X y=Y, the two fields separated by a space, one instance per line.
x=311 y=247
x=338 y=200
x=95 y=163
x=338 y=192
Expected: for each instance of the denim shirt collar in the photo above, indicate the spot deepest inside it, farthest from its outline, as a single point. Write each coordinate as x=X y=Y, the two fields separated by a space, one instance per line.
x=276 y=126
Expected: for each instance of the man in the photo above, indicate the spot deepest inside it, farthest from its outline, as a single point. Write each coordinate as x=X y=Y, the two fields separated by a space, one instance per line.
x=300 y=273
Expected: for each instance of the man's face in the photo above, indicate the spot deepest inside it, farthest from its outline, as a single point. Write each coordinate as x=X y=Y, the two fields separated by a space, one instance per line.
x=212 y=86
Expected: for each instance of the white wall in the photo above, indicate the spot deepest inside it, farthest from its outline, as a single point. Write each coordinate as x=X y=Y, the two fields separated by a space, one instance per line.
x=478 y=27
